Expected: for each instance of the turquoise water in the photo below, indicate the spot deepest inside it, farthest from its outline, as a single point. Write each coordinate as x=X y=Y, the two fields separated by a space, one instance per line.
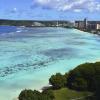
x=29 y=56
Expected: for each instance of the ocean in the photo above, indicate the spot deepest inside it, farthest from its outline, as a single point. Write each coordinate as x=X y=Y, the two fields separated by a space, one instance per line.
x=29 y=56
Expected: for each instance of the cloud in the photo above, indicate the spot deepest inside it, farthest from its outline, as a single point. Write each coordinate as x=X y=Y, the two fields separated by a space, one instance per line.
x=14 y=10
x=77 y=10
x=93 y=6
x=65 y=5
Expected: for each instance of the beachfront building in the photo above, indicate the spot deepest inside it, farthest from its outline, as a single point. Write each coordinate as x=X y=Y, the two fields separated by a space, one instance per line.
x=87 y=25
x=81 y=24
x=98 y=26
x=94 y=25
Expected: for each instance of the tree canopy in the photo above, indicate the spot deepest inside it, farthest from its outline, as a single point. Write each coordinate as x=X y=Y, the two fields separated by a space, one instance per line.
x=36 y=95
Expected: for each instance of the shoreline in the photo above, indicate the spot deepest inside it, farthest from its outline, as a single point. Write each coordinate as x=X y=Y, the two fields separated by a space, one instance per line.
x=62 y=65
x=95 y=32
x=48 y=85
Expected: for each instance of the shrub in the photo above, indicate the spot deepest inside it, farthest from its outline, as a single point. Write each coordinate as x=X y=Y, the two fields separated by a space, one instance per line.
x=27 y=95
x=97 y=85
x=83 y=76
x=80 y=84
x=35 y=95
x=58 y=81
x=49 y=93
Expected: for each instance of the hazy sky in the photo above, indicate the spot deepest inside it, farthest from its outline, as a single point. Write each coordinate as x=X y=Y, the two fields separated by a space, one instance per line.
x=50 y=9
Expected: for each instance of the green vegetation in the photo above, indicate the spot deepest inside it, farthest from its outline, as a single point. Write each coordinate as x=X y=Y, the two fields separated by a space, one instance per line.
x=85 y=77
x=58 y=81
x=35 y=23
x=97 y=92
x=68 y=94
x=36 y=95
x=16 y=22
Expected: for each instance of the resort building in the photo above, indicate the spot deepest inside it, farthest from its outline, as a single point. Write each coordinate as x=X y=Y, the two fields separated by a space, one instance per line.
x=87 y=25
x=81 y=24
x=94 y=25
x=98 y=26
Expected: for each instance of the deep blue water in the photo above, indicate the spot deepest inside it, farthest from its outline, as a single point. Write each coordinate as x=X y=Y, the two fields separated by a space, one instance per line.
x=7 y=29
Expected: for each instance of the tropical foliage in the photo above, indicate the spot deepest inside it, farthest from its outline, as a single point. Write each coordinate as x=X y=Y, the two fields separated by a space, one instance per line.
x=36 y=95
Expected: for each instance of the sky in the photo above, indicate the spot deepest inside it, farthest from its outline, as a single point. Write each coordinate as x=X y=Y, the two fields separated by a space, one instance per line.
x=50 y=9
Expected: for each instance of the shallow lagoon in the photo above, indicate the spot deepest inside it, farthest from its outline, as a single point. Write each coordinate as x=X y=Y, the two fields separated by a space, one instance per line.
x=29 y=56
